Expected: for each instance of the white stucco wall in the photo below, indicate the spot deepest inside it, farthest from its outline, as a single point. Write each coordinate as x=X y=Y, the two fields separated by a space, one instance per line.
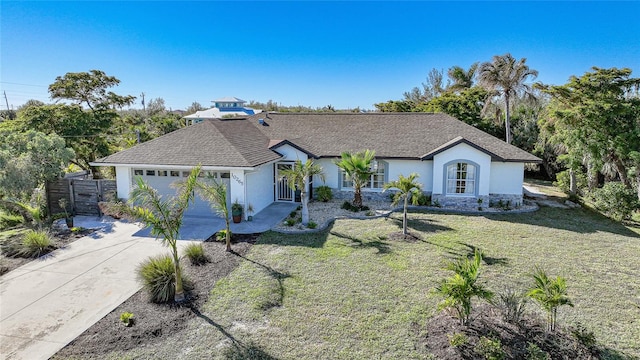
x=259 y=187
x=290 y=153
x=462 y=152
x=123 y=181
x=405 y=167
x=506 y=178
x=330 y=173
x=237 y=183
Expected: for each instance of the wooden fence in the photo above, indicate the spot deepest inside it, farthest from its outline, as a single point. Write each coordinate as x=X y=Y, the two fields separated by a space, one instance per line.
x=81 y=195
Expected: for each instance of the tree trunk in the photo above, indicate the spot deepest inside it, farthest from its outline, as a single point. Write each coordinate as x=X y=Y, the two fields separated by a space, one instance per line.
x=228 y=234
x=573 y=186
x=592 y=175
x=179 y=295
x=305 y=207
x=638 y=181
x=357 y=198
x=507 y=119
x=404 y=215
x=622 y=171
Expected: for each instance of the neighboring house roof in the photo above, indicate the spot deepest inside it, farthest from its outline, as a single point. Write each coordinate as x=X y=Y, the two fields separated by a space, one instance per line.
x=391 y=135
x=229 y=99
x=210 y=143
x=216 y=113
x=245 y=142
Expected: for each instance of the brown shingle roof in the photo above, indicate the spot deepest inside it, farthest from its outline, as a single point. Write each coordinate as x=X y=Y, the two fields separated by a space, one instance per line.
x=391 y=135
x=233 y=143
x=244 y=142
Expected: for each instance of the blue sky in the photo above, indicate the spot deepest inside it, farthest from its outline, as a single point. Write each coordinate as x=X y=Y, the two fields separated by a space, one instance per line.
x=347 y=54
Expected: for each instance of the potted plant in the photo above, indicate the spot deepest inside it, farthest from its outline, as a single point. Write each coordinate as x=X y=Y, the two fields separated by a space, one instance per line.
x=250 y=212
x=68 y=219
x=236 y=212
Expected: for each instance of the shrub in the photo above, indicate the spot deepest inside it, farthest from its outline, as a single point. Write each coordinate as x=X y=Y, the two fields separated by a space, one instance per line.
x=563 y=181
x=424 y=199
x=35 y=243
x=221 y=235
x=293 y=214
x=458 y=339
x=312 y=225
x=490 y=349
x=9 y=220
x=195 y=253
x=370 y=213
x=535 y=353
x=324 y=193
x=290 y=222
x=615 y=200
x=459 y=289
x=127 y=319
x=158 y=278
x=349 y=206
x=584 y=336
x=511 y=305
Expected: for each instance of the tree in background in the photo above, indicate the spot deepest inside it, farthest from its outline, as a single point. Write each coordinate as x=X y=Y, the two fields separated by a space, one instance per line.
x=505 y=77
x=357 y=168
x=598 y=114
x=408 y=190
x=195 y=106
x=462 y=79
x=298 y=178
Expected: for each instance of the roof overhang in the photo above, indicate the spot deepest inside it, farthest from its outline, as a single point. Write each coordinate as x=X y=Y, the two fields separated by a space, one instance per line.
x=274 y=144
x=177 y=167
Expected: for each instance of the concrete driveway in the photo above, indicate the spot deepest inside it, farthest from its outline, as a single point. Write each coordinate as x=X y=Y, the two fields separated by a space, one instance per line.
x=48 y=302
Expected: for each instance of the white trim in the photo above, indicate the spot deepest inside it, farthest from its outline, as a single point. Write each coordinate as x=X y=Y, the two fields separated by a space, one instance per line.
x=174 y=167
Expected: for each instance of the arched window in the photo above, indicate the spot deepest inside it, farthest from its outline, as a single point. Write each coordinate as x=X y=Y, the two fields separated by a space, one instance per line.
x=461 y=178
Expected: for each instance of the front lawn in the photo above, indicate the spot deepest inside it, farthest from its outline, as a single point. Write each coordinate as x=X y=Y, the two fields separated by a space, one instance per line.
x=351 y=293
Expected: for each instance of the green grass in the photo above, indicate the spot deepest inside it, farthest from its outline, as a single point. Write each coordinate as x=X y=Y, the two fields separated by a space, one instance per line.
x=351 y=293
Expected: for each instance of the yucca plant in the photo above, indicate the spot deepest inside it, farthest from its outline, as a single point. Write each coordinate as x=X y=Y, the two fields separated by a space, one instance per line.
x=550 y=294
x=195 y=253
x=462 y=287
x=36 y=243
x=157 y=275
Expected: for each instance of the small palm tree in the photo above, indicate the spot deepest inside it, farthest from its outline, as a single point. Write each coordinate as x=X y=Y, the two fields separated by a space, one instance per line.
x=216 y=194
x=164 y=216
x=358 y=169
x=550 y=294
x=408 y=189
x=460 y=288
x=506 y=76
x=298 y=178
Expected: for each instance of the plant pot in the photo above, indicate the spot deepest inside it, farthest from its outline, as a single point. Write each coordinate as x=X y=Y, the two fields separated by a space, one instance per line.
x=69 y=222
x=237 y=218
x=250 y=218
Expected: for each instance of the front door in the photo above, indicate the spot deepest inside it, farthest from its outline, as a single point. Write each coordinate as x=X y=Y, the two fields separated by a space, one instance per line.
x=283 y=191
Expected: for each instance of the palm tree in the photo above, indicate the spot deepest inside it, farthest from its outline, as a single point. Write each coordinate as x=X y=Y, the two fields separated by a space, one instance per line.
x=164 y=216
x=216 y=195
x=298 y=179
x=459 y=289
x=408 y=189
x=357 y=167
x=505 y=76
x=550 y=294
x=462 y=79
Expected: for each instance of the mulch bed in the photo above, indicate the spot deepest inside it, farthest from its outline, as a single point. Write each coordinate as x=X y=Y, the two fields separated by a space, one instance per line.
x=61 y=238
x=154 y=323
x=514 y=339
x=399 y=236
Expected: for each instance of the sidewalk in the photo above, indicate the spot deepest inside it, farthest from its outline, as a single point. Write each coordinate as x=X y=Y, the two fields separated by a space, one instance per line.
x=48 y=302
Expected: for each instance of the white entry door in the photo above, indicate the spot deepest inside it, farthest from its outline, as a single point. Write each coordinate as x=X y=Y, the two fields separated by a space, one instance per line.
x=283 y=191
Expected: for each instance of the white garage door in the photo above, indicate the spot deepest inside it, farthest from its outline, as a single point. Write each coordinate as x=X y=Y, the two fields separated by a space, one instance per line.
x=162 y=181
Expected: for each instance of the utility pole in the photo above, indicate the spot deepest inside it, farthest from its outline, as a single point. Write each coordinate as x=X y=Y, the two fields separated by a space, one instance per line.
x=143 y=107
x=9 y=111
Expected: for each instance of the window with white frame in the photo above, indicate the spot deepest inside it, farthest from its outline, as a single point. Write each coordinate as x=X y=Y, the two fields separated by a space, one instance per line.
x=461 y=179
x=376 y=180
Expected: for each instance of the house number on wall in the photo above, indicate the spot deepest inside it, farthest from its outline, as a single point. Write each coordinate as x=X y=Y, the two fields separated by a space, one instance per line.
x=237 y=179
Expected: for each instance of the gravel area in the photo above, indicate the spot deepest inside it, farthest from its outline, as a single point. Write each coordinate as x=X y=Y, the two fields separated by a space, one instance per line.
x=323 y=213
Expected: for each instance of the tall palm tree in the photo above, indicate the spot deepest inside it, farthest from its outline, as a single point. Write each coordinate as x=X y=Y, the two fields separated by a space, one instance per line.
x=164 y=216
x=462 y=79
x=550 y=294
x=215 y=194
x=505 y=76
x=357 y=167
x=298 y=179
x=408 y=189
